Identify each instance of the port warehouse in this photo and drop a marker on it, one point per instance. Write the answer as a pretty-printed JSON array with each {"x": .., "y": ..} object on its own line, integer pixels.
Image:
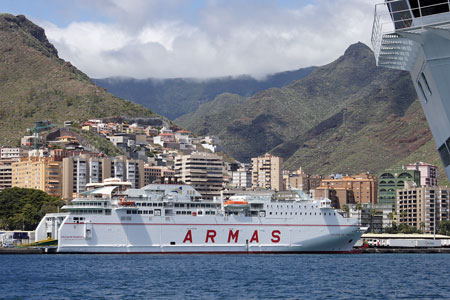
[{"x": 404, "y": 240}]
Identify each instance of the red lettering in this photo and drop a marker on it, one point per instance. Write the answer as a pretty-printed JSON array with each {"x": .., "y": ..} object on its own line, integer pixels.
[
  {"x": 210, "y": 234},
  {"x": 276, "y": 236},
  {"x": 233, "y": 235},
  {"x": 255, "y": 237},
  {"x": 188, "y": 237}
]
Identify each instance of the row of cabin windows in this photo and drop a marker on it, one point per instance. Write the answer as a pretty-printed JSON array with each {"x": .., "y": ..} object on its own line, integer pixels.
[
  {"x": 276, "y": 213},
  {"x": 202, "y": 205},
  {"x": 149, "y": 204},
  {"x": 199, "y": 213},
  {"x": 290, "y": 206},
  {"x": 139, "y": 212}
]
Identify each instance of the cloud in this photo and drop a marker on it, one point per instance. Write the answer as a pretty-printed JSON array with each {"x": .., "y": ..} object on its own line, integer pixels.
[{"x": 175, "y": 38}]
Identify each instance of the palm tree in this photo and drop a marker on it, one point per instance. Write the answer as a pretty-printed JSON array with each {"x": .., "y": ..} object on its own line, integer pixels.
[
  {"x": 390, "y": 216},
  {"x": 373, "y": 212},
  {"x": 359, "y": 207},
  {"x": 345, "y": 209},
  {"x": 422, "y": 227}
]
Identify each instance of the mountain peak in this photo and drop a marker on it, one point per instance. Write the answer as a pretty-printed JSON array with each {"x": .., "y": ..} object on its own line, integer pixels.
[
  {"x": 10, "y": 23},
  {"x": 358, "y": 50}
]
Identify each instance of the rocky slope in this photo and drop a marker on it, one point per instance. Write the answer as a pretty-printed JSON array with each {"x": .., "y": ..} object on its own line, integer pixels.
[
  {"x": 35, "y": 84},
  {"x": 348, "y": 116}
]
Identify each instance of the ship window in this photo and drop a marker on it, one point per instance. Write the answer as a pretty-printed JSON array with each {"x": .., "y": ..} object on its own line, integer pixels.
[
  {"x": 426, "y": 83},
  {"x": 422, "y": 91},
  {"x": 150, "y": 212},
  {"x": 445, "y": 155},
  {"x": 213, "y": 212},
  {"x": 270, "y": 213}
]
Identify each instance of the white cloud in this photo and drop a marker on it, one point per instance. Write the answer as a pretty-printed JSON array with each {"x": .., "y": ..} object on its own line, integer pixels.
[{"x": 159, "y": 39}]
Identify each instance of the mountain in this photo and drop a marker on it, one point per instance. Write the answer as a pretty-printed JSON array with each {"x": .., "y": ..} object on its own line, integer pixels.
[
  {"x": 348, "y": 116},
  {"x": 35, "y": 84},
  {"x": 175, "y": 97}
]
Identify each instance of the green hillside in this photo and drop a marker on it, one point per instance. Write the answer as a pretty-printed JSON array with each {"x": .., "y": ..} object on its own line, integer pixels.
[
  {"x": 35, "y": 84},
  {"x": 348, "y": 116}
]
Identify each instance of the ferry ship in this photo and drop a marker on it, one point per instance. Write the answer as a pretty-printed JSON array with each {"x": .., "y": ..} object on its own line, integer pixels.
[{"x": 173, "y": 218}]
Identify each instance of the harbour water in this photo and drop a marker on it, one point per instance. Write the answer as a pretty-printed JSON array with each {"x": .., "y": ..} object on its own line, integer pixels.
[{"x": 357, "y": 276}]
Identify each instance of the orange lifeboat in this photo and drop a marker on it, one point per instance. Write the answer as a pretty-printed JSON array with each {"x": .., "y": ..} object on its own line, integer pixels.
[
  {"x": 235, "y": 204},
  {"x": 123, "y": 202}
]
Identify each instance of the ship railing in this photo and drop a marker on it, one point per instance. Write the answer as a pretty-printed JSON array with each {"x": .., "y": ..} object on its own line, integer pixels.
[{"x": 397, "y": 15}]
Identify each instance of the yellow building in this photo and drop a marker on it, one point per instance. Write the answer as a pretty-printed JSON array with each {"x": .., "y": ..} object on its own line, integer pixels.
[{"x": 40, "y": 173}]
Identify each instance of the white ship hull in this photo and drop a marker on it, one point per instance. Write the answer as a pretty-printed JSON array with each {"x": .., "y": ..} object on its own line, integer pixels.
[{"x": 205, "y": 235}]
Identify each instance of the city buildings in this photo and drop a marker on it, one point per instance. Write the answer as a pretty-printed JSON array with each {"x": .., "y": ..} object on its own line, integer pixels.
[
  {"x": 423, "y": 207},
  {"x": 157, "y": 173},
  {"x": 203, "y": 171},
  {"x": 298, "y": 180},
  {"x": 242, "y": 177},
  {"x": 428, "y": 173},
  {"x": 40, "y": 173},
  {"x": 389, "y": 181},
  {"x": 80, "y": 170},
  {"x": 342, "y": 190},
  {"x": 267, "y": 172}
]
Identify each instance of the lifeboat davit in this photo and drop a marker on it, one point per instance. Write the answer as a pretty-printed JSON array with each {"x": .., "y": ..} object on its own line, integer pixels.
[{"x": 235, "y": 204}]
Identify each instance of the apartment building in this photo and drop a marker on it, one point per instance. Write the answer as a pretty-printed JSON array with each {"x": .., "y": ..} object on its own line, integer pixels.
[
  {"x": 342, "y": 190},
  {"x": 155, "y": 173},
  {"x": 40, "y": 173},
  {"x": 298, "y": 180},
  {"x": 389, "y": 181},
  {"x": 267, "y": 172},
  {"x": 428, "y": 173},
  {"x": 204, "y": 171},
  {"x": 78, "y": 171},
  {"x": 423, "y": 207},
  {"x": 242, "y": 178}
]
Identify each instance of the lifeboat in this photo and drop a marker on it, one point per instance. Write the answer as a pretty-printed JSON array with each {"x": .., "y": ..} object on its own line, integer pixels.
[
  {"x": 124, "y": 202},
  {"x": 235, "y": 204}
]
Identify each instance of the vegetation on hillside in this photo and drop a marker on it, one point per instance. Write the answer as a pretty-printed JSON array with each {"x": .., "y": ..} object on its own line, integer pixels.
[
  {"x": 348, "y": 117},
  {"x": 35, "y": 84},
  {"x": 23, "y": 209},
  {"x": 174, "y": 98}
]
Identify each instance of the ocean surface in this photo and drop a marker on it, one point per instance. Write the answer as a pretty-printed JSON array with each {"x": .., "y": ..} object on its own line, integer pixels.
[{"x": 354, "y": 276}]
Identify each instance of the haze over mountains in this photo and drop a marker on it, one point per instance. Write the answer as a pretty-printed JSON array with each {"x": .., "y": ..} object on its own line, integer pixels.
[
  {"x": 178, "y": 96},
  {"x": 35, "y": 84}
]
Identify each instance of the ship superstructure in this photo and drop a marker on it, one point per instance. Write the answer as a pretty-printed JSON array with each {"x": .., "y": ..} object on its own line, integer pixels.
[
  {"x": 167, "y": 218},
  {"x": 414, "y": 35}
]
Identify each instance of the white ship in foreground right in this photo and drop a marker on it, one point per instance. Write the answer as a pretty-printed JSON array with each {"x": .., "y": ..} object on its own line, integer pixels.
[
  {"x": 414, "y": 35},
  {"x": 167, "y": 218}
]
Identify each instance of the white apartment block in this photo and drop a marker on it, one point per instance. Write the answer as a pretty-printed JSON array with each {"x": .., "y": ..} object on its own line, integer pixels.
[
  {"x": 242, "y": 178},
  {"x": 12, "y": 153},
  {"x": 428, "y": 173}
]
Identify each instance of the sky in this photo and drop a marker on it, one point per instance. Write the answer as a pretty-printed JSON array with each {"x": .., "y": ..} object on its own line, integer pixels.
[{"x": 198, "y": 38}]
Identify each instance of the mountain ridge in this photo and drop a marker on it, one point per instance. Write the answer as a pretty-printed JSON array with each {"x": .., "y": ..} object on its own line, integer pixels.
[
  {"x": 174, "y": 97},
  {"x": 35, "y": 84}
]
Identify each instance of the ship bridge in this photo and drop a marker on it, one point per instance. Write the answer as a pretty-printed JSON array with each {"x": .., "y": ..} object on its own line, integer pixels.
[
  {"x": 401, "y": 27},
  {"x": 414, "y": 35}
]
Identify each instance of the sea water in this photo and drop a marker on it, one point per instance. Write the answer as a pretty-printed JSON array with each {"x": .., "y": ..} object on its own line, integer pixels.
[{"x": 356, "y": 276}]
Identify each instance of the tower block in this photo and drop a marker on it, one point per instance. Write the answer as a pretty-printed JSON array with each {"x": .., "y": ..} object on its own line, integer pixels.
[{"x": 414, "y": 35}]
